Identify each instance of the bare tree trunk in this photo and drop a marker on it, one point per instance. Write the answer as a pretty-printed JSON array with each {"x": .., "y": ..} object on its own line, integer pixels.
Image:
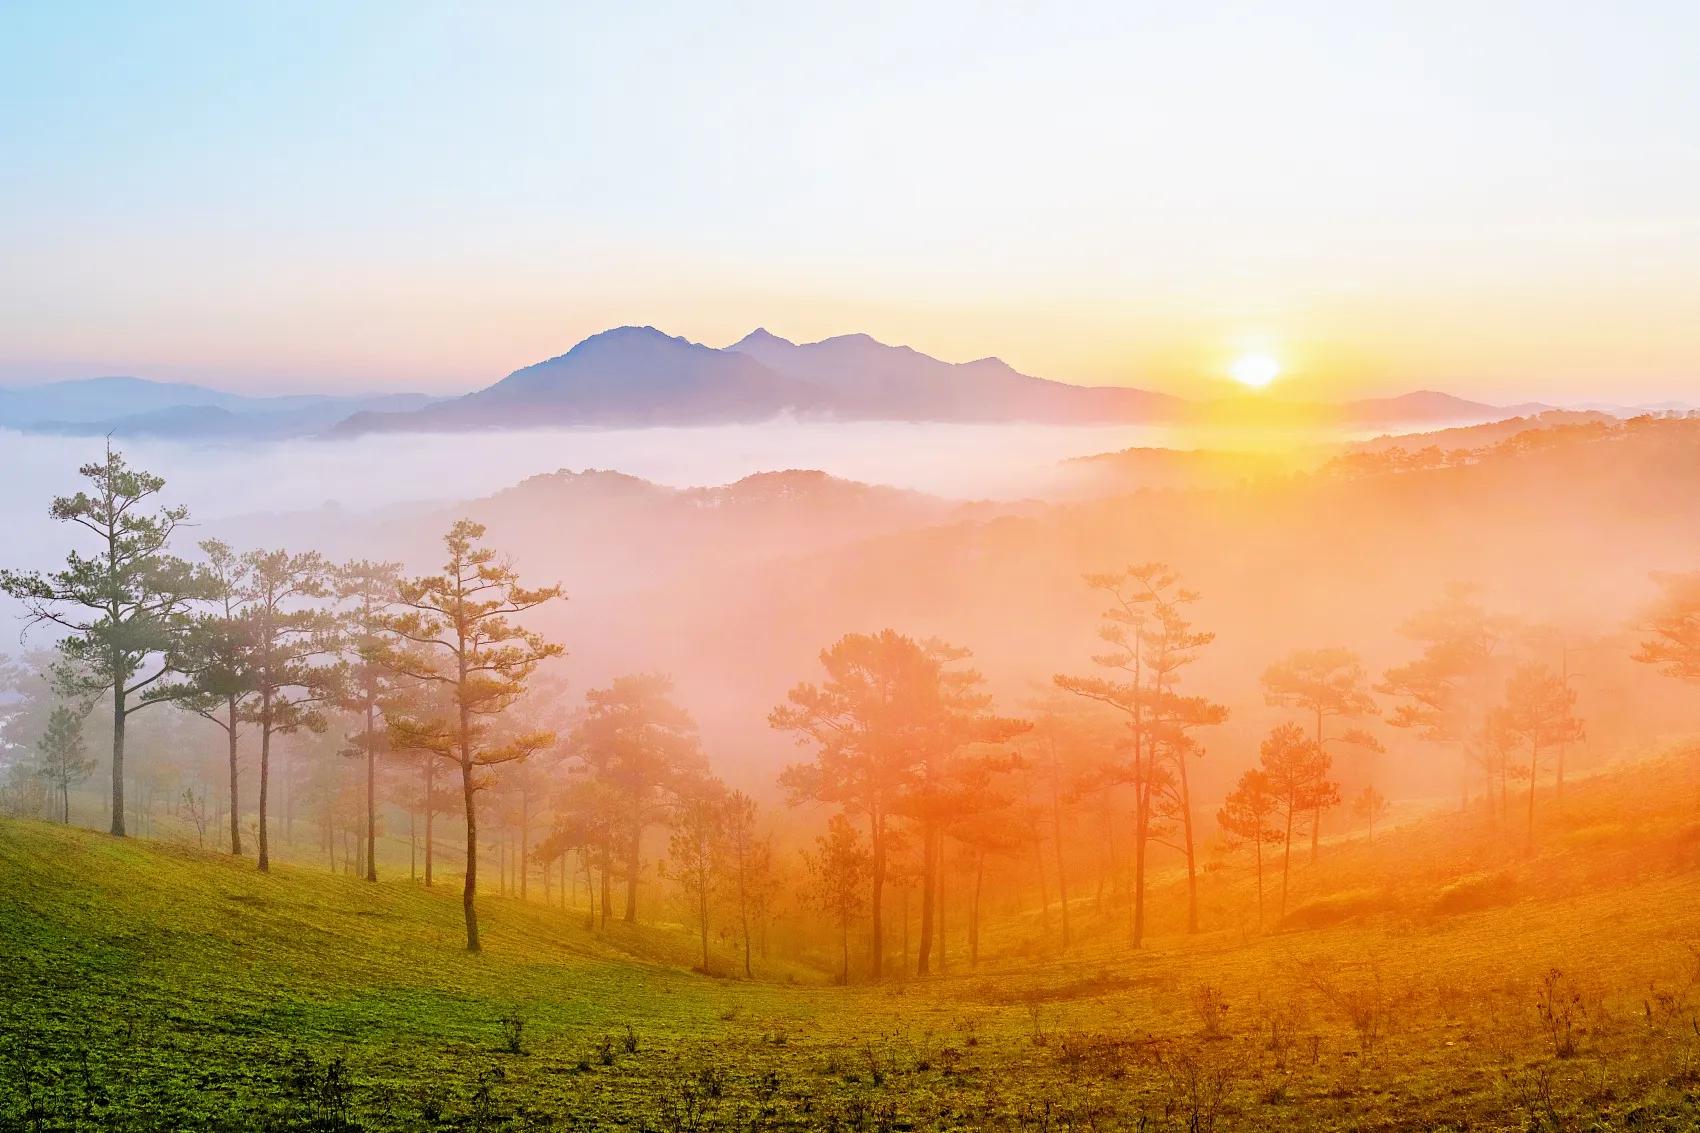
[
  {"x": 702, "y": 912},
  {"x": 1141, "y": 832},
  {"x": 1534, "y": 769},
  {"x": 1191, "y": 855},
  {"x": 118, "y": 715},
  {"x": 235, "y": 807},
  {"x": 1044, "y": 884},
  {"x": 1106, "y": 848},
  {"x": 470, "y": 889},
  {"x": 371, "y": 796},
  {"x": 1260, "y": 880},
  {"x": 929, "y": 900},
  {"x": 1057, "y": 836},
  {"x": 744, "y": 899},
  {"x": 906, "y": 928},
  {"x": 607, "y": 866},
  {"x": 286, "y": 781},
  {"x": 1287, "y": 854},
  {"x": 876, "y": 910},
  {"x": 634, "y": 862},
  {"x": 1316, "y": 811},
  {"x": 938, "y": 899},
  {"x": 974, "y": 917},
  {"x": 265, "y": 776}
]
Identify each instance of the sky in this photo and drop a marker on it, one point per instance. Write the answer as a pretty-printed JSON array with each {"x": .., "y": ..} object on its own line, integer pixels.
[{"x": 1498, "y": 199}]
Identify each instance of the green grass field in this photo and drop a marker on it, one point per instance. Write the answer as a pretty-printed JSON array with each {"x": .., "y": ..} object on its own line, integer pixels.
[{"x": 1447, "y": 982}]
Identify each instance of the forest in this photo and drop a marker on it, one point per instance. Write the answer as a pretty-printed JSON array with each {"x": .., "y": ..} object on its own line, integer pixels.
[{"x": 1353, "y": 790}]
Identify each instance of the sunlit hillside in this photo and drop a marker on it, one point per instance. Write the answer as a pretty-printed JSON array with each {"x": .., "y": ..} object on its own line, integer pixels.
[{"x": 1436, "y": 976}]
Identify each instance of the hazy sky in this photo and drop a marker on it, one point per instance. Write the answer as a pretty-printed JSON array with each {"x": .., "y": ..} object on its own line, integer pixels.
[{"x": 1500, "y": 199}]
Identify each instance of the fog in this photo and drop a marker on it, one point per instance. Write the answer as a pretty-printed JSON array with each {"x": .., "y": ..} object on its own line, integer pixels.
[{"x": 959, "y": 460}]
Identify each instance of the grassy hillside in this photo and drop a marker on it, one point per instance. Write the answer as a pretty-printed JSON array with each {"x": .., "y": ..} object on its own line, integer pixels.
[{"x": 148, "y": 986}]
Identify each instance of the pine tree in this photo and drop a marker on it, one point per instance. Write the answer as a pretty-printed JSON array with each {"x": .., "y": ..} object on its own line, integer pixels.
[
  {"x": 1296, "y": 770},
  {"x": 1151, "y": 643},
  {"x": 215, "y": 655},
  {"x": 696, "y": 846},
  {"x": 640, "y": 749},
  {"x": 62, "y": 760},
  {"x": 456, "y": 629},
  {"x": 886, "y": 725},
  {"x": 294, "y": 644},
  {"x": 123, "y": 607},
  {"x": 838, "y": 870},
  {"x": 1539, "y": 709},
  {"x": 1248, "y": 816},
  {"x": 368, "y": 591},
  {"x": 1447, "y": 690},
  {"x": 1324, "y": 685}
]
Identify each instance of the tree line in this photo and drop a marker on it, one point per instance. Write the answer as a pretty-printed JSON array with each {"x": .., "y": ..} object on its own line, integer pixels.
[{"x": 903, "y": 745}]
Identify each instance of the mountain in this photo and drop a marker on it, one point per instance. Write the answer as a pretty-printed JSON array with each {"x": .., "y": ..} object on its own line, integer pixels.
[
  {"x": 1428, "y": 407},
  {"x": 129, "y": 406},
  {"x": 629, "y": 376},
  {"x": 638, "y": 376},
  {"x": 613, "y": 532},
  {"x": 867, "y": 378}
]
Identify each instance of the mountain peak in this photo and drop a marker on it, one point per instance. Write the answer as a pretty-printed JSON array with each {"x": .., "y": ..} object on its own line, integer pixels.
[
  {"x": 631, "y": 334},
  {"x": 859, "y": 338},
  {"x": 758, "y": 338}
]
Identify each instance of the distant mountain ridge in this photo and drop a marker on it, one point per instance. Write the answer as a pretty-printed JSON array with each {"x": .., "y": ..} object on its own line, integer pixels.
[
  {"x": 129, "y": 406},
  {"x": 628, "y": 376},
  {"x": 1430, "y": 407},
  {"x": 637, "y": 377}
]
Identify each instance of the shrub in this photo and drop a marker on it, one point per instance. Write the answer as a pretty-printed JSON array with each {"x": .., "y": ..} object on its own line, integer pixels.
[
  {"x": 1476, "y": 893},
  {"x": 1211, "y": 1009},
  {"x": 1335, "y": 909},
  {"x": 1559, "y": 1007},
  {"x": 512, "y": 1028}
]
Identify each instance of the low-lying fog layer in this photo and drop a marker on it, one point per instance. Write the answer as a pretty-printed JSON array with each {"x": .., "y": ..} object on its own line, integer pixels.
[{"x": 221, "y": 478}]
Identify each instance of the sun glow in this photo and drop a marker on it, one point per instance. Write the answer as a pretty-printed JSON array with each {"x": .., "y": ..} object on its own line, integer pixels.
[{"x": 1255, "y": 370}]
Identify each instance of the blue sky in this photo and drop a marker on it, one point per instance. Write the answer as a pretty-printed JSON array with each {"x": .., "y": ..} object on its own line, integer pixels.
[{"x": 1502, "y": 199}]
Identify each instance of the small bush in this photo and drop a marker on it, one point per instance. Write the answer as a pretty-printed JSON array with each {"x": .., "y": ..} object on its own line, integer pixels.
[
  {"x": 1559, "y": 1007},
  {"x": 1336, "y": 909},
  {"x": 513, "y": 1027},
  {"x": 1211, "y": 1009},
  {"x": 1476, "y": 893}
]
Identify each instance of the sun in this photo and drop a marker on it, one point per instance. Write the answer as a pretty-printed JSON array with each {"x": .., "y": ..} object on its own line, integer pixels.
[{"x": 1255, "y": 370}]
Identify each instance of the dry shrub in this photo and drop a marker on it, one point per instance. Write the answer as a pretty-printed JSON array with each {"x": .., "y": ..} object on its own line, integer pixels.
[
  {"x": 1200, "y": 1077},
  {"x": 1561, "y": 1011},
  {"x": 1336, "y": 909},
  {"x": 1475, "y": 893},
  {"x": 1211, "y": 1009},
  {"x": 1363, "y": 998}
]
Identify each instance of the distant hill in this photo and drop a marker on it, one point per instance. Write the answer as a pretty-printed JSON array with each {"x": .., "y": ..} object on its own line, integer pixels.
[
  {"x": 129, "y": 406},
  {"x": 1428, "y": 407}
]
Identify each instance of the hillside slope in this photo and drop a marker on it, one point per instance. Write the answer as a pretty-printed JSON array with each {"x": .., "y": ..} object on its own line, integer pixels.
[{"x": 151, "y": 987}]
